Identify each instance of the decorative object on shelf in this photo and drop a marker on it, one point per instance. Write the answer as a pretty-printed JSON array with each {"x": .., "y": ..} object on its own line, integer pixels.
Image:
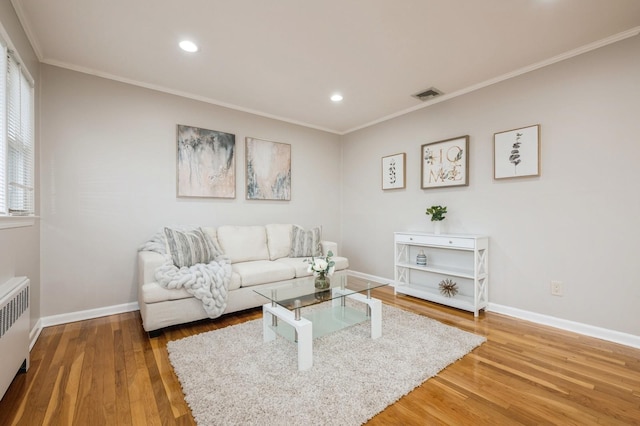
[
  {"x": 393, "y": 171},
  {"x": 448, "y": 287},
  {"x": 437, "y": 216},
  {"x": 268, "y": 170},
  {"x": 421, "y": 259},
  {"x": 516, "y": 153},
  {"x": 322, "y": 269},
  {"x": 445, "y": 163},
  {"x": 206, "y": 163}
]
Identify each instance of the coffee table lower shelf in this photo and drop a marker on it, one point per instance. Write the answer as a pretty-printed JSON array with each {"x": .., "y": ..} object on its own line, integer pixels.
[{"x": 303, "y": 329}]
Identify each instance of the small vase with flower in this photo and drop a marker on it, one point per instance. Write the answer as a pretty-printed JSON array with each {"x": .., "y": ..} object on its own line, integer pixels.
[{"x": 321, "y": 268}]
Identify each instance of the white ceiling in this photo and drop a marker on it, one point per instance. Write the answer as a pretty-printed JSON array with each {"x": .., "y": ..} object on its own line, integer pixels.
[{"x": 284, "y": 58}]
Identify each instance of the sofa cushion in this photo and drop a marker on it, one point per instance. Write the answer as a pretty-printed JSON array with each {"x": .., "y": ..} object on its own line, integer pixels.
[
  {"x": 298, "y": 264},
  {"x": 189, "y": 247},
  {"x": 235, "y": 282},
  {"x": 301, "y": 267},
  {"x": 341, "y": 262},
  {"x": 211, "y": 231},
  {"x": 305, "y": 243},
  {"x": 155, "y": 293},
  {"x": 243, "y": 243},
  {"x": 262, "y": 271},
  {"x": 279, "y": 240}
]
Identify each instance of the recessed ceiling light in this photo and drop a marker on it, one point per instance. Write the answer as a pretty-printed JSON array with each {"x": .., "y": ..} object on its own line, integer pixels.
[
  {"x": 188, "y": 46},
  {"x": 336, "y": 97}
]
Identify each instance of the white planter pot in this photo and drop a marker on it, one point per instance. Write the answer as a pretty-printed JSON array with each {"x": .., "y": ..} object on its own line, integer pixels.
[{"x": 437, "y": 227}]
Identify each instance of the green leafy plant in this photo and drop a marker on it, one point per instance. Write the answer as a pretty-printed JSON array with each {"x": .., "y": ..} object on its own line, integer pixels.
[{"x": 437, "y": 213}]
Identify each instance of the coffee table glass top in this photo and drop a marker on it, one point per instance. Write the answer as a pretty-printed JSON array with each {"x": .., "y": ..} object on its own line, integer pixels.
[{"x": 302, "y": 292}]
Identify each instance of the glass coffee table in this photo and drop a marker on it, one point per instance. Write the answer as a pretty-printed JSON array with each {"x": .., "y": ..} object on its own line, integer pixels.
[{"x": 284, "y": 314}]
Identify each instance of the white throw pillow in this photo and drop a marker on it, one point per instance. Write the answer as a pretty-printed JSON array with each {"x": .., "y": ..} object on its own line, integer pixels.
[
  {"x": 279, "y": 240},
  {"x": 243, "y": 243},
  {"x": 305, "y": 243},
  {"x": 211, "y": 232}
]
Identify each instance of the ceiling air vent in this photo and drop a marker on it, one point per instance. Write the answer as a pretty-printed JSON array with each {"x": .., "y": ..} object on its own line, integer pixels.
[{"x": 428, "y": 94}]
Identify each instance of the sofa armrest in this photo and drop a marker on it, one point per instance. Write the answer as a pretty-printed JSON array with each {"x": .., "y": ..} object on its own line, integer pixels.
[
  {"x": 148, "y": 262},
  {"x": 329, "y": 245}
]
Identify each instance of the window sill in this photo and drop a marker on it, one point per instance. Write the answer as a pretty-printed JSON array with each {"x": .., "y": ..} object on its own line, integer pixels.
[{"x": 17, "y": 221}]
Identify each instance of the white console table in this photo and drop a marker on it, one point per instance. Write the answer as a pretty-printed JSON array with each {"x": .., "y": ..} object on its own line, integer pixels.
[{"x": 462, "y": 258}]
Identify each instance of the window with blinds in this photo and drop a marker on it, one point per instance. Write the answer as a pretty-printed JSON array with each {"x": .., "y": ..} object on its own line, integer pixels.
[{"x": 16, "y": 137}]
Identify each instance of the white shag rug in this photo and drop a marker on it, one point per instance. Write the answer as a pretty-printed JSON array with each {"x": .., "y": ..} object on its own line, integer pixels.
[{"x": 231, "y": 377}]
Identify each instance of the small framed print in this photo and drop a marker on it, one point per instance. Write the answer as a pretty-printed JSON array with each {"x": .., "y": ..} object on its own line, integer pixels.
[
  {"x": 445, "y": 163},
  {"x": 516, "y": 153},
  {"x": 393, "y": 171}
]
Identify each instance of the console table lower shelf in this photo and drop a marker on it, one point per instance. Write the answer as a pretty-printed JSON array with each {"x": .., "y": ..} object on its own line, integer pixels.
[{"x": 466, "y": 303}]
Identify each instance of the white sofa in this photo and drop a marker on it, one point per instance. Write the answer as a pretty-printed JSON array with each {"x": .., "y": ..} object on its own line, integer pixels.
[{"x": 259, "y": 257}]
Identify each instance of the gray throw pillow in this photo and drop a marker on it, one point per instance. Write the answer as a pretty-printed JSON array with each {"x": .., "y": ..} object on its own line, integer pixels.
[
  {"x": 189, "y": 247},
  {"x": 305, "y": 243}
]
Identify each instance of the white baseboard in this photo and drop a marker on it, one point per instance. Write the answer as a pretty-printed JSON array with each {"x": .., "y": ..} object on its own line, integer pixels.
[
  {"x": 88, "y": 314},
  {"x": 369, "y": 277},
  {"x": 562, "y": 324},
  {"x": 77, "y": 316},
  {"x": 34, "y": 334}
]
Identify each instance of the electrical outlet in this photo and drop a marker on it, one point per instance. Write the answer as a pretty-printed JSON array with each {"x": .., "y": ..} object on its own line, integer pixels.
[{"x": 556, "y": 288}]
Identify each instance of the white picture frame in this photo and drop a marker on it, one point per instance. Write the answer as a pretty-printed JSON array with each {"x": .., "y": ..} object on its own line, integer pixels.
[
  {"x": 394, "y": 171},
  {"x": 516, "y": 153}
]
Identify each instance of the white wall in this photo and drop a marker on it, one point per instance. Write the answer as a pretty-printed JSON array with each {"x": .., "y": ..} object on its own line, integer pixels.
[
  {"x": 578, "y": 222},
  {"x": 108, "y": 177},
  {"x": 108, "y": 182},
  {"x": 20, "y": 247}
]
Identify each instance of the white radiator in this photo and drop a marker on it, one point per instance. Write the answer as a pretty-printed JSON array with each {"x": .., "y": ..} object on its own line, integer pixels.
[{"x": 14, "y": 330}]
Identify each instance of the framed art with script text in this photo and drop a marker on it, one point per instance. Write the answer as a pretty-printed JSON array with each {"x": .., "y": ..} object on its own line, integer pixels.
[{"x": 445, "y": 163}]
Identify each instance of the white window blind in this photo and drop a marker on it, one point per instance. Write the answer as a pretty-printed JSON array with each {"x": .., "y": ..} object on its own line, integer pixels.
[
  {"x": 17, "y": 193},
  {"x": 3, "y": 130}
]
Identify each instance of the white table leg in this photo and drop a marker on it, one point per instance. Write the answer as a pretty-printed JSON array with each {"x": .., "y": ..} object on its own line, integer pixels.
[
  {"x": 305, "y": 345},
  {"x": 376, "y": 317},
  {"x": 267, "y": 332},
  {"x": 375, "y": 309},
  {"x": 303, "y": 327}
]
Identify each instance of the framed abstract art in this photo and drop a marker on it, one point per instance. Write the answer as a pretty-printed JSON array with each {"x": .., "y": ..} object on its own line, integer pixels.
[
  {"x": 206, "y": 163},
  {"x": 268, "y": 170}
]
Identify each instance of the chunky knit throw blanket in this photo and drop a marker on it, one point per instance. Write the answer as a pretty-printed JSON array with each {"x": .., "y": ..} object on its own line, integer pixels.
[{"x": 206, "y": 282}]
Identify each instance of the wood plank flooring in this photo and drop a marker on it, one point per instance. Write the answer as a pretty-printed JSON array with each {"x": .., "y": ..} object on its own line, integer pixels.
[{"x": 107, "y": 371}]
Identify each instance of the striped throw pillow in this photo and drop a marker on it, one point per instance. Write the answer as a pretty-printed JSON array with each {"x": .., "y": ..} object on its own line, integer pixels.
[
  {"x": 189, "y": 247},
  {"x": 305, "y": 243}
]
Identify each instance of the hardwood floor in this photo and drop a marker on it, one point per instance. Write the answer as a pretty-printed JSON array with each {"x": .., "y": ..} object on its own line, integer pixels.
[{"x": 107, "y": 371}]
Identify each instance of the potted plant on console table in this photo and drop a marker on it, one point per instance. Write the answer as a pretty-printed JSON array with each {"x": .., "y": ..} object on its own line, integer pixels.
[{"x": 437, "y": 216}]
